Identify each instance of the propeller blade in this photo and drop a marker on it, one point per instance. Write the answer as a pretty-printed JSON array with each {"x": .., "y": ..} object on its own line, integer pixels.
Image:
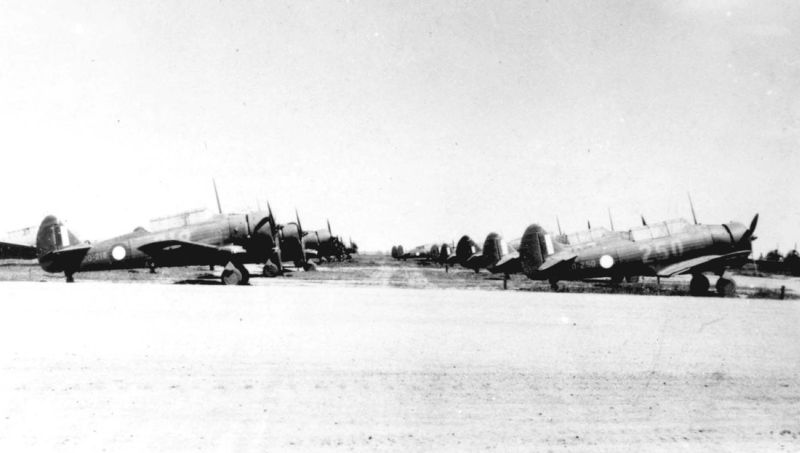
[
  {"x": 748, "y": 235},
  {"x": 329, "y": 227},
  {"x": 753, "y": 224}
]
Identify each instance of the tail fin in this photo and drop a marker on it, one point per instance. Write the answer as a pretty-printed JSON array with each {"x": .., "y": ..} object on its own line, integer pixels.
[
  {"x": 494, "y": 248},
  {"x": 535, "y": 247},
  {"x": 465, "y": 248},
  {"x": 52, "y": 236}
]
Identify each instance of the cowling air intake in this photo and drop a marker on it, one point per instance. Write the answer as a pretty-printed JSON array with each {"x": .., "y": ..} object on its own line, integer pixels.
[
  {"x": 434, "y": 252},
  {"x": 535, "y": 246}
]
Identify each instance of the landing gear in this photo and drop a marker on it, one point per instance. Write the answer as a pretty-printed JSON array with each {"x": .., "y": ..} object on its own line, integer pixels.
[
  {"x": 235, "y": 274},
  {"x": 617, "y": 279},
  {"x": 632, "y": 279},
  {"x": 505, "y": 281},
  {"x": 270, "y": 270},
  {"x": 70, "y": 278},
  {"x": 554, "y": 284},
  {"x": 152, "y": 266},
  {"x": 726, "y": 287},
  {"x": 310, "y": 267},
  {"x": 699, "y": 285}
]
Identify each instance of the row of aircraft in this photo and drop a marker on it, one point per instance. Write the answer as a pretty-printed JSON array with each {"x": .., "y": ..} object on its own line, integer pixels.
[
  {"x": 663, "y": 249},
  {"x": 229, "y": 240}
]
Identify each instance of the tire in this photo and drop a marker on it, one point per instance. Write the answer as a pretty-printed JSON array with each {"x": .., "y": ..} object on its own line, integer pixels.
[
  {"x": 270, "y": 270},
  {"x": 310, "y": 267},
  {"x": 726, "y": 287},
  {"x": 699, "y": 285}
]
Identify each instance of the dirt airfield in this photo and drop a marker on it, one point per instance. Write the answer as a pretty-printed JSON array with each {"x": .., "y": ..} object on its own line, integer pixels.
[{"x": 376, "y": 355}]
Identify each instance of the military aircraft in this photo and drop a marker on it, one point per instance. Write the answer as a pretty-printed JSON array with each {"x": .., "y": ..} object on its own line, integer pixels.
[
  {"x": 325, "y": 246},
  {"x": 291, "y": 247},
  {"x": 662, "y": 249},
  {"x": 19, "y": 245},
  {"x": 421, "y": 252},
  {"x": 467, "y": 254},
  {"x": 227, "y": 239}
]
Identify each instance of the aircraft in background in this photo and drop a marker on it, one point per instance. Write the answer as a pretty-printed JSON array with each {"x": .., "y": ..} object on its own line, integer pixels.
[
  {"x": 19, "y": 244},
  {"x": 325, "y": 246},
  {"x": 662, "y": 249}
]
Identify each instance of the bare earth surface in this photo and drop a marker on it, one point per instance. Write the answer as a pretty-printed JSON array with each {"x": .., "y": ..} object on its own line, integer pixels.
[{"x": 289, "y": 364}]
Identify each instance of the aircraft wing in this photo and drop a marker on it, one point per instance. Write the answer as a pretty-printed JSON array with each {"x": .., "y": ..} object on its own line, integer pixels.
[
  {"x": 176, "y": 252},
  {"x": 508, "y": 264},
  {"x": 557, "y": 260},
  {"x": 11, "y": 250},
  {"x": 705, "y": 263}
]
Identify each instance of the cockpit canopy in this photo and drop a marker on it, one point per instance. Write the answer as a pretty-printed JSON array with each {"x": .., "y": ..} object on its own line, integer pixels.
[{"x": 659, "y": 230}]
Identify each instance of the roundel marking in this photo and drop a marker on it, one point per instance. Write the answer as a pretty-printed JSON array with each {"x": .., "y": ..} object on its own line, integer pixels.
[
  {"x": 118, "y": 252},
  {"x": 606, "y": 261}
]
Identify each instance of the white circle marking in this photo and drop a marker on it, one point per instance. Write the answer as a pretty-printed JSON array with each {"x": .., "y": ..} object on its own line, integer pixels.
[
  {"x": 606, "y": 261},
  {"x": 118, "y": 253}
]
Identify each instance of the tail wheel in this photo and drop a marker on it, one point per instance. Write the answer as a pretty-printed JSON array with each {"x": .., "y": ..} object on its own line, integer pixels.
[
  {"x": 726, "y": 287},
  {"x": 699, "y": 285},
  {"x": 310, "y": 267}
]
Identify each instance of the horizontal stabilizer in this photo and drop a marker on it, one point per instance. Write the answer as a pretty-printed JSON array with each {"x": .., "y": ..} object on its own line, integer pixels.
[
  {"x": 705, "y": 263},
  {"x": 65, "y": 259},
  {"x": 508, "y": 264},
  {"x": 557, "y": 260},
  {"x": 174, "y": 252},
  {"x": 13, "y": 251}
]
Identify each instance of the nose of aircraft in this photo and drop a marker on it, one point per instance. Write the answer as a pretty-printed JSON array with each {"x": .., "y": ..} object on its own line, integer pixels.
[{"x": 738, "y": 231}]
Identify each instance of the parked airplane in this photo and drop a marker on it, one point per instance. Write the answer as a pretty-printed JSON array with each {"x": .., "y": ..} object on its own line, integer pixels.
[
  {"x": 19, "y": 245},
  {"x": 662, "y": 249},
  {"x": 227, "y": 239}
]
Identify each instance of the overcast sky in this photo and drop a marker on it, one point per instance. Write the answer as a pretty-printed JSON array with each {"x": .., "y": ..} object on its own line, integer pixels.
[{"x": 403, "y": 122}]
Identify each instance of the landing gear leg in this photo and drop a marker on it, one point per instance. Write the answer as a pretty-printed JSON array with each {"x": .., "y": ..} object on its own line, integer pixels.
[
  {"x": 152, "y": 267},
  {"x": 554, "y": 284},
  {"x": 70, "y": 278},
  {"x": 699, "y": 285},
  {"x": 505, "y": 281}
]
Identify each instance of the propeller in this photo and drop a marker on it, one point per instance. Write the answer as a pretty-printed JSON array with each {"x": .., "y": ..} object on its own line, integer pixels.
[
  {"x": 329, "y": 227},
  {"x": 644, "y": 222},
  {"x": 748, "y": 235}
]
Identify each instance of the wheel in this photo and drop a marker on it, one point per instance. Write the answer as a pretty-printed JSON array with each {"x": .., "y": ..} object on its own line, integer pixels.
[
  {"x": 310, "y": 267},
  {"x": 70, "y": 278},
  {"x": 152, "y": 266},
  {"x": 699, "y": 285},
  {"x": 245, "y": 273},
  {"x": 235, "y": 274},
  {"x": 270, "y": 270},
  {"x": 554, "y": 284},
  {"x": 726, "y": 287}
]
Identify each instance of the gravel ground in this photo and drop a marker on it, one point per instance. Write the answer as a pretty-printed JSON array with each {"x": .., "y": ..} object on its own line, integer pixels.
[{"x": 279, "y": 366}]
